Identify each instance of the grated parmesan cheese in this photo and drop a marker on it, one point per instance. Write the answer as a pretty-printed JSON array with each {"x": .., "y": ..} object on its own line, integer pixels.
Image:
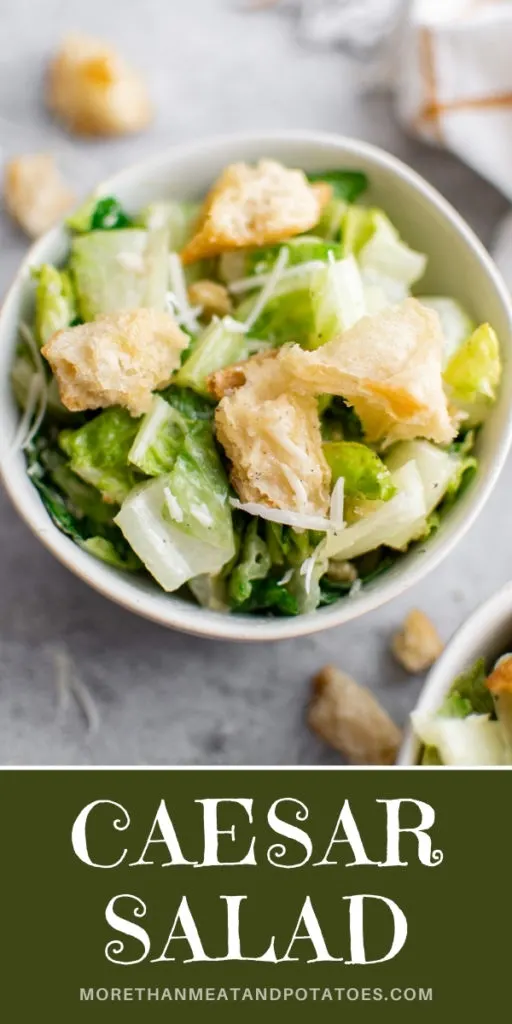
[
  {"x": 249, "y": 284},
  {"x": 173, "y": 506},
  {"x": 187, "y": 316}
]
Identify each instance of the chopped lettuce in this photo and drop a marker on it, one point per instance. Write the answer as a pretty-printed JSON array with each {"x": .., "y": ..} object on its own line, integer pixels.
[
  {"x": 473, "y": 374},
  {"x": 178, "y": 218},
  {"x": 268, "y": 595},
  {"x": 304, "y": 585},
  {"x": 287, "y": 315},
  {"x": 469, "y": 694},
  {"x": 217, "y": 346},
  {"x": 363, "y": 471},
  {"x": 302, "y": 249},
  {"x": 196, "y": 498},
  {"x": 76, "y": 508},
  {"x": 161, "y": 436},
  {"x": 438, "y": 471},
  {"x": 99, "y": 214},
  {"x": 388, "y": 262},
  {"x": 210, "y": 592},
  {"x": 387, "y": 523},
  {"x": 470, "y": 741},
  {"x": 456, "y": 324},
  {"x": 337, "y": 300},
  {"x": 253, "y": 564},
  {"x": 98, "y": 452},
  {"x": 172, "y": 555},
  {"x": 330, "y": 225},
  {"x": 108, "y": 552},
  {"x": 346, "y": 185},
  {"x": 55, "y": 301},
  {"x": 117, "y": 270}
]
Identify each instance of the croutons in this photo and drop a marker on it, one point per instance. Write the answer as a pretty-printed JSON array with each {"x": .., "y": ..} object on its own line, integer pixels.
[
  {"x": 348, "y": 717},
  {"x": 94, "y": 92},
  {"x": 500, "y": 680},
  {"x": 212, "y": 297},
  {"x": 273, "y": 441},
  {"x": 255, "y": 206},
  {"x": 118, "y": 359},
  {"x": 418, "y": 644},
  {"x": 35, "y": 194},
  {"x": 389, "y": 368}
]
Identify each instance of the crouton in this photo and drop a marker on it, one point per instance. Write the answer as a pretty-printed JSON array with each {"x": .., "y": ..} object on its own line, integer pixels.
[
  {"x": 212, "y": 297},
  {"x": 255, "y": 206},
  {"x": 389, "y": 368},
  {"x": 348, "y": 717},
  {"x": 273, "y": 440},
  {"x": 118, "y": 359},
  {"x": 500, "y": 680},
  {"x": 500, "y": 684},
  {"x": 418, "y": 644},
  {"x": 94, "y": 92},
  {"x": 35, "y": 194}
]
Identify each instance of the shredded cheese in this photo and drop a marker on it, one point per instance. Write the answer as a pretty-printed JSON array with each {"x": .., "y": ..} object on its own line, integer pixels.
[
  {"x": 307, "y": 569},
  {"x": 202, "y": 514},
  {"x": 285, "y": 516},
  {"x": 173, "y": 505},
  {"x": 337, "y": 501},
  {"x": 131, "y": 261},
  {"x": 286, "y": 578},
  {"x": 269, "y": 289},
  {"x": 249, "y": 284},
  {"x": 186, "y": 314}
]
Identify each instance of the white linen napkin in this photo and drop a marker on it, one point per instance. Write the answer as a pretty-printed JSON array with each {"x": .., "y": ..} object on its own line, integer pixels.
[{"x": 450, "y": 65}]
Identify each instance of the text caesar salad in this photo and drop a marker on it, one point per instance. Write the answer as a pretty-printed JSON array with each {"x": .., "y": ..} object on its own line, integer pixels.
[{"x": 241, "y": 396}]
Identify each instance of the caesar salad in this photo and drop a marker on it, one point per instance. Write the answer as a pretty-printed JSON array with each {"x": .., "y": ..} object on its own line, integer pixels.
[{"x": 242, "y": 398}]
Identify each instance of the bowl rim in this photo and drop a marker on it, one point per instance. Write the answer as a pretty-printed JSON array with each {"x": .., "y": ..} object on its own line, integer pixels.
[
  {"x": 198, "y": 621},
  {"x": 489, "y": 614}
]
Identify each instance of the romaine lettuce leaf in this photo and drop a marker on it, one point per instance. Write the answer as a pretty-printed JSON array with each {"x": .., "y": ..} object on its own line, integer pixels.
[
  {"x": 172, "y": 555},
  {"x": 471, "y": 741},
  {"x": 269, "y": 595},
  {"x": 345, "y": 184},
  {"x": 111, "y": 553},
  {"x": 99, "y": 214},
  {"x": 363, "y": 471},
  {"x": 55, "y": 301},
  {"x": 22, "y": 373},
  {"x": 337, "y": 300},
  {"x": 116, "y": 270},
  {"x": 288, "y": 316},
  {"x": 178, "y": 218},
  {"x": 387, "y": 523},
  {"x": 469, "y": 694},
  {"x": 197, "y": 499},
  {"x": 210, "y": 592},
  {"x": 217, "y": 346},
  {"x": 456, "y": 324},
  {"x": 254, "y": 563},
  {"x": 386, "y": 260},
  {"x": 439, "y": 470},
  {"x": 473, "y": 374},
  {"x": 98, "y": 452}
]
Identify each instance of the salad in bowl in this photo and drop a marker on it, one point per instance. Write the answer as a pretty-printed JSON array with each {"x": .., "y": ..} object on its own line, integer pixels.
[
  {"x": 473, "y": 725},
  {"x": 251, "y": 398}
]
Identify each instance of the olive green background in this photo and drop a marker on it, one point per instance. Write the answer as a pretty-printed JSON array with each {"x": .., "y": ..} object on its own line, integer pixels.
[{"x": 54, "y": 930}]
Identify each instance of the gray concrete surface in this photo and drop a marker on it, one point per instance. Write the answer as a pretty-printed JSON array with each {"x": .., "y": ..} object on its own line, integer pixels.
[{"x": 164, "y": 698}]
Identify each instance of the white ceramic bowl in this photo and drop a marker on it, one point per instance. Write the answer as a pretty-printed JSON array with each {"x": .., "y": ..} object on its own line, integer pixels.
[
  {"x": 486, "y": 634},
  {"x": 458, "y": 266}
]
